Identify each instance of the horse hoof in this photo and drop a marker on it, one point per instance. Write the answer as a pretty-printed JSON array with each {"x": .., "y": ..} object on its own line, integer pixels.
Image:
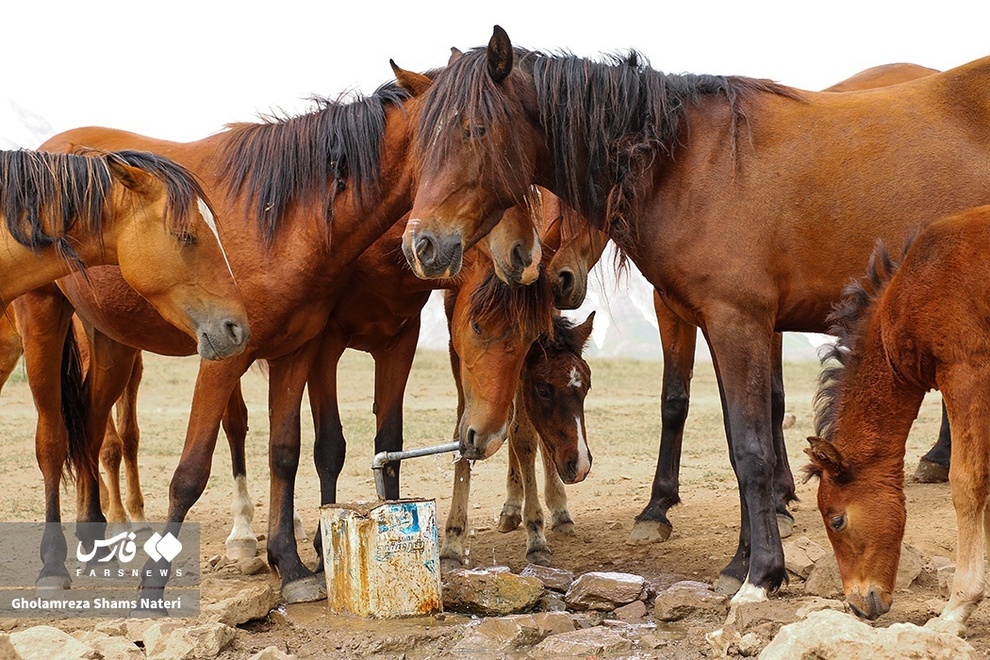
[
  {"x": 238, "y": 549},
  {"x": 509, "y": 522},
  {"x": 726, "y": 585},
  {"x": 785, "y": 525},
  {"x": 565, "y": 528},
  {"x": 305, "y": 590},
  {"x": 649, "y": 531},
  {"x": 448, "y": 564},
  {"x": 52, "y": 582},
  {"x": 539, "y": 557},
  {"x": 931, "y": 473}
]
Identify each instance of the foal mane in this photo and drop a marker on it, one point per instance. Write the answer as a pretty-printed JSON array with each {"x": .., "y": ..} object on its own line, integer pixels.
[
  {"x": 301, "y": 159},
  {"x": 44, "y": 195},
  {"x": 528, "y": 310},
  {"x": 848, "y": 320},
  {"x": 613, "y": 118}
]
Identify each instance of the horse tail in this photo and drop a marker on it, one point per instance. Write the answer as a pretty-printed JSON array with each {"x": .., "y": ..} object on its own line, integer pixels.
[{"x": 75, "y": 395}]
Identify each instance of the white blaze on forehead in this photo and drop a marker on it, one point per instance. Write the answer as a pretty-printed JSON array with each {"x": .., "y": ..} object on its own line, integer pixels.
[
  {"x": 207, "y": 214},
  {"x": 584, "y": 455},
  {"x": 575, "y": 380}
]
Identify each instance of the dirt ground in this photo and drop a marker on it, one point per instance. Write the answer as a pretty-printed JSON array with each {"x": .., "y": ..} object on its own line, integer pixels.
[{"x": 623, "y": 425}]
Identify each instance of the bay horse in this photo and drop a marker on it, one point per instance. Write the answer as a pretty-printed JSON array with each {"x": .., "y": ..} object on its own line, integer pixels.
[
  {"x": 300, "y": 199},
  {"x": 903, "y": 331},
  {"x": 725, "y": 191}
]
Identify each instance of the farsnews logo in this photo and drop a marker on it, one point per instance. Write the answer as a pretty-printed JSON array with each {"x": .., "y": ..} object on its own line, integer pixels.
[{"x": 122, "y": 547}]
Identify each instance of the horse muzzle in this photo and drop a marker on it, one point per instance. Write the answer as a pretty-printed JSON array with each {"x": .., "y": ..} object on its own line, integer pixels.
[
  {"x": 223, "y": 338},
  {"x": 568, "y": 292},
  {"x": 476, "y": 446},
  {"x": 872, "y": 604},
  {"x": 432, "y": 256}
]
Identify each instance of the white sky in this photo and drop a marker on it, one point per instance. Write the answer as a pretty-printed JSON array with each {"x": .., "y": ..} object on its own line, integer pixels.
[{"x": 179, "y": 70}]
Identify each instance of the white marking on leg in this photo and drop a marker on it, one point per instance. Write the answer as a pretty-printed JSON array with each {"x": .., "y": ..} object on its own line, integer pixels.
[
  {"x": 749, "y": 593},
  {"x": 584, "y": 454},
  {"x": 242, "y": 511},
  {"x": 575, "y": 380},
  {"x": 204, "y": 210}
]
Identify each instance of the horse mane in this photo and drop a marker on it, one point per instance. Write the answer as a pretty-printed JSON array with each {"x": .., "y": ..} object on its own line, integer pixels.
[
  {"x": 613, "y": 118},
  {"x": 281, "y": 161},
  {"x": 44, "y": 195},
  {"x": 527, "y": 309},
  {"x": 848, "y": 320},
  {"x": 561, "y": 338}
]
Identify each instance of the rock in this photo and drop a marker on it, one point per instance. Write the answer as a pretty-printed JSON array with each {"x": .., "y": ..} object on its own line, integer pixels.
[
  {"x": 7, "y": 650},
  {"x": 252, "y": 566},
  {"x": 494, "y": 636},
  {"x": 945, "y": 576},
  {"x": 272, "y": 653},
  {"x": 173, "y": 640},
  {"x": 589, "y": 642},
  {"x": 552, "y": 578},
  {"x": 489, "y": 593},
  {"x": 634, "y": 611},
  {"x": 910, "y": 566},
  {"x": 830, "y": 634},
  {"x": 603, "y": 590},
  {"x": 749, "y": 645},
  {"x": 801, "y": 554},
  {"x": 688, "y": 598},
  {"x": 551, "y": 601},
  {"x": 234, "y": 602},
  {"x": 824, "y": 579},
  {"x": 936, "y": 562},
  {"x": 109, "y": 646},
  {"x": 49, "y": 642},
  {"x": 745, "y": 616}
]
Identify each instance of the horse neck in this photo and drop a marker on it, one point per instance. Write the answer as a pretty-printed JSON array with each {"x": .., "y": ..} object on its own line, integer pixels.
[{"x": 876, "y": 409}]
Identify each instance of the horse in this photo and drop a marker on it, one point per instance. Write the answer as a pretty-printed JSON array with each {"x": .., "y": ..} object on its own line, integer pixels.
[
  {"x": 903, "y": 331},
  {"x": 301, "y": 198},
  {"x": 725, "y": 191}
]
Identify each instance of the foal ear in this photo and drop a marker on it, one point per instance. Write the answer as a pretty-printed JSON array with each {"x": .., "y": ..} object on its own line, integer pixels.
[
  {"x": 412, "y": 82},
  {"x": 826, "y": 458},
  {"x": 499, "y": 55},
  {"x": 455, "y": 54},
  {"x": 583, "y": 331},
  {"x": 133, "y": 178}
]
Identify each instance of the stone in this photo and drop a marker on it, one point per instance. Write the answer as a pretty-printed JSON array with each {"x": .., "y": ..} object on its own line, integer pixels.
[
  {"x": 252, "y": 566},
  {"x": 497, "y": 635},
  {"x": 830, "y": 634},
  {"x": 234, "y": 602},
  {"x": 175, "y": 640},
  {"x": 945, "y": 576},
  {"x": 50, "y": 642},
  {"x": 588, "y": 642},
  {"x": 109, "y": 646},
  {"x": 599, "y": 590},
  {"x": 801, "y": 554},
  {"x": 489, "y": 593},
  {"x": 910, "y": 566},
  {"x": 745, "y": 616},
  {"x": 551, "y": 601},
  {"x": 272, "y": 653},
  {"x": 824, "y": 579},
  {"x": 552, "y": 578},
  {"x": 936, "y": 562},
  {"x": 749, "y": 645},
  {"x": 7, "y": 650},
  {"x": 688, "y": 598},
  {"x": 634, "y": 611}
]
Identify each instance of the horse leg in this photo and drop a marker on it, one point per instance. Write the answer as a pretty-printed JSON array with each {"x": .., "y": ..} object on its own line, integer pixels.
[
  {"x": 130, "y": 436},
  {"x": 241, "y": 543},
  {"x": 523, "y": 440},
  {"x": 969, "y": 478},
  {"x": 10, "y": 345},
  {"x": 392, "y": 366},
  {"x": 678, "y": 339},
  {"x": 330, "y": 447},
  {"x": 44, "y": 317},
  {"x": 452, "y": 554},
  {"x": 511, "y": 516},
  {"x": 933, "y": 468},
  {"x": 783, "y": 479},
  {"x": 287, "y": 380},
  {"x": 741, "y": 351},
  {"x": 555, "y": 496}
]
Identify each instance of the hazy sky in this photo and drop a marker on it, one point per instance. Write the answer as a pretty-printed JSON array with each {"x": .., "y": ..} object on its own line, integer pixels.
[{"x": 180, "y": 70}]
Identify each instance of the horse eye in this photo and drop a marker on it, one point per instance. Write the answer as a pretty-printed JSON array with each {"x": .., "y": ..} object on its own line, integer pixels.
[
  {"x": 838, "y": 523},
  {"x": 341, "y": 184},
  {"x": 185, "y": 238},
  {"x": 475, "y": 132},
  {"x": 476, "y": 328},
  {"x": 542, "y": 391}
]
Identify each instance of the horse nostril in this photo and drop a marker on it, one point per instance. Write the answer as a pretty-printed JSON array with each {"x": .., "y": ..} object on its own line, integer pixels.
[
  {"x": 426, "y": 249},
  {"x": 472, "y": 438},
  {"x": 565, "y": 282},
  {"x": 519, "y": 261},
  {"x": 235, "y": 331}
]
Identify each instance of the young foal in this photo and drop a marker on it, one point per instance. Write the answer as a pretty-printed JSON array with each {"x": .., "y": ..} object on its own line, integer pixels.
[{"x": 903, "y": 331}]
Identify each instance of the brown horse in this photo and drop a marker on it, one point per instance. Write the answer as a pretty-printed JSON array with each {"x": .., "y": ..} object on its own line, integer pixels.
[
  {"x": 301, "y": 198},
  {"x": 725, "y": 191},
  {"x": 903, "y": 331}
]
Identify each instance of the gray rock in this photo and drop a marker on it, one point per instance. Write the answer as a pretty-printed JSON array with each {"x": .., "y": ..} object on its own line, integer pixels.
[
  {"x": 493, "y": 636},
  {"x": 688, "y": 598},
  {"x": 824, "y": 579},
  {"x": 597, "y": 641},
  {"x": 234, "y": 602},
  {"x": 604, "y": 590},
  {"x": 910, "y": 566},
  {"x": 109, "y": 646},
  {"x": 830, "y": 634},
  {"x": 801, "y": 554},
  {"x": 945, "y": 576},
  {"x": 490, "y": 593},
  {"x": 634, "y": 611},
  {"x": 745, "y": 616},
  {"x": 552, "y": 578},
  {"x": 551, "y": 601},
  {"x": 252, "y": 566},
  {"x": 7, "y": 650},
  {"x": 272, "y": 653},
  {"x": 50, "y": 642},
  {"x": 174, "y": 640}
]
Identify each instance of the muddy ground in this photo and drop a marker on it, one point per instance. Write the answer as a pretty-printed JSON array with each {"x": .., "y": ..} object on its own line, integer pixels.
[{"x": 623, "y": 425}]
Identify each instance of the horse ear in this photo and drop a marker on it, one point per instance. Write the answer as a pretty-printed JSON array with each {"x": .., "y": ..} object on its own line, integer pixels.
[
  {"x": 499, "y": 55},
  {"x": 583, "y": 331},
  {"x": 826, "y": 458},
  {"x": 455, "y": 54},
  {"x": 133, "y": 178},
  {"x": 412, "y": 82}
]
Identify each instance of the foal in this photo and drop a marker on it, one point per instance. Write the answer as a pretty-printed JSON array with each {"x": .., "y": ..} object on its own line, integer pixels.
[{"x": 903, "y": 331}]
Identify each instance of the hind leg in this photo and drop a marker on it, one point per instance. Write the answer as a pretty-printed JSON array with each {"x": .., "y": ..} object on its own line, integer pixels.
[
  {"x": 933, "y": 468},
  {"x": 555, "y": 496},
  {"x": 10, "y": 344},
  {"x": 241, "y": 543},
  {"x": 783, "y": 479},
  {"x": 130, "y": 436}
]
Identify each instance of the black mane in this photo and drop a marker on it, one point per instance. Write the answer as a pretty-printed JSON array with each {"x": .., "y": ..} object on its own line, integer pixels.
[
  {"x": 525, "y": 309},
  {"x": 281, "y": 161}
]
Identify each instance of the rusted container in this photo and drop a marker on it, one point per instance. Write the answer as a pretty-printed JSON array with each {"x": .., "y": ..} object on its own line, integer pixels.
[{"x": 382, "y": 558}]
